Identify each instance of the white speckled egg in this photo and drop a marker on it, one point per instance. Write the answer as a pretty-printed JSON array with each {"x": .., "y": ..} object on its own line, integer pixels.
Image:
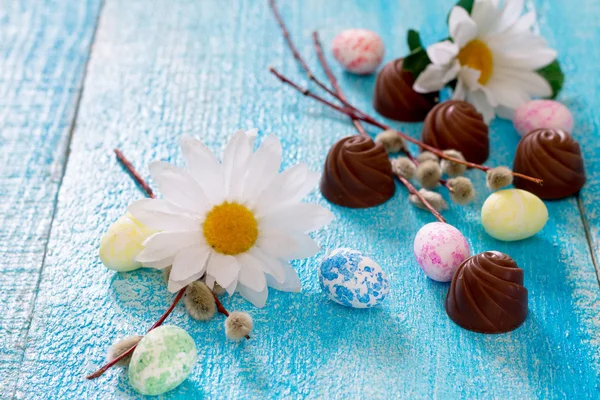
[
  {"x": 537, "y": 114},
  {"x": 353, "y": 280},
  {"x": 162, "y": 360},
  {"x": 122, "y": 242},
  {"x": 439, "y": 249},
  {"x": 513, "y": 214},
  {"x": 358, "y": 50}
]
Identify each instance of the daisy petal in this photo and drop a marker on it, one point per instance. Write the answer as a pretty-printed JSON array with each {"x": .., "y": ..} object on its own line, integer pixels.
[
  {"x": 159, "y": 264},
  {"x": 166, "y": 244},
  {"x": 509, "y": 14},
  {"x": 235, "y": 159},
  {"x": 291, "y": 282},
  {"x": 263, "y": 167},
  {"x": 223, "y": 268},
  {"x": 271, "y": 266},
  {"x": 259, "y": 299},
  {"x": 485, "y": 15},
  {"x": 303, "y": 217},
  {"x": 287, "y": 245},
  {"x": 288, "y": 187},
  {"x": 188, "y": 262},
  {"x": 161, "y": 215},
  {"x": 462, "y": 28},
  {"x": 175, "y": 286},
  {"x": 442, "y": 53},
  {"x": 433, "y": 78},
  {"x": 204, "y": 168},
  {"x": 178, "y": 187},
  {"x": 479, "y": 100},
  {"x": 251, "y": 273}
]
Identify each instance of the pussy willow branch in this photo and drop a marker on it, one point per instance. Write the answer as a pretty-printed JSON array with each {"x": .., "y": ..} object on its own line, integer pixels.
[
  {"x": 372, "y": 121},
  {"x": 158, "y": 323},
  {"x": 222, "y": 309},
  {"x": 359, "y": 127}
]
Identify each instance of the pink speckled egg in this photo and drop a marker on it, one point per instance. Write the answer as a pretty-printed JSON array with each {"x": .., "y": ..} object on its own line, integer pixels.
[
  {"x": 358, "y": 50},
  {"x": 439, "y": 249},
  {"x": 537, "y": 114}
]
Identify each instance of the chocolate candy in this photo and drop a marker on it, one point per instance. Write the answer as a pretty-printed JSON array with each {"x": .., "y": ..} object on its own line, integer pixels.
[
  {"x": 395, "y": 98},
  {"x": 487, "y": 294},
  {"x": 456, "y": 124},
  {"x": 357, "y": 173},
  {"x": 551, "y": 155}
]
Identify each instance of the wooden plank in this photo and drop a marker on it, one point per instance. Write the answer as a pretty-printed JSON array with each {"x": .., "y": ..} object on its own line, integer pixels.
[
  {"x": 44, "y": 46},
  {"x": 200, "y": 67},
  {"x": 576, "y": 31}
]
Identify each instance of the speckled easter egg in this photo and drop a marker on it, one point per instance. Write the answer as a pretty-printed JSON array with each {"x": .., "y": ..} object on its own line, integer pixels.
[
  {"x": 513, "y": 214},
  {"x": 122, "y": 242},
  {"x": 162, "y": 360},
  {"x": 439, "y": 249},
  {"x": 353, "y": 280},
  {"x": 537, "y": 114},
  {"x": 358, "y": 50}
]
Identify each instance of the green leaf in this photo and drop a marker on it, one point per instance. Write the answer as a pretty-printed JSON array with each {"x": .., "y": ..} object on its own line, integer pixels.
[
  {"x": 414, "y": 40},
  {"x": 416, "y": 62},
  {"x": 554, "y": 75},
  {"x": 466, "y": 4}
]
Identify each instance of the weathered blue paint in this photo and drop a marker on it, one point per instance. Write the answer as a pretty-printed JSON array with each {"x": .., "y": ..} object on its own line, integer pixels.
[
  {"x": 200, "y": 68},
  {"x": 44, "y": 46}
]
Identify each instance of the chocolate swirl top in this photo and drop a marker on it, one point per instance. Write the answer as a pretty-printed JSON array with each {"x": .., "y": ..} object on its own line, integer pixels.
[
  {"x": 487, "y": 294},
  {"x": 551, "y": 155},
  {"x": 357, "y": 173},
  {"x": 395, "y": 98},
  {"x": 456, "y": 124}
]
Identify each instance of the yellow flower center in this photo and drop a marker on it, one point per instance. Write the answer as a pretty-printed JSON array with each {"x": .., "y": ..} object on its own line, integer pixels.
[
  {"x": 478, "y": 56},
  {"x": 230, "y": 228}
]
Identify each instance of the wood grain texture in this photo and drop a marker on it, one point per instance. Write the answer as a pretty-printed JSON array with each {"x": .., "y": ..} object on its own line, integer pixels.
[
  {"x": 44, "y": 46},
  {"x": 184, "y": 66},
  {"x": 574, "y": 31}
]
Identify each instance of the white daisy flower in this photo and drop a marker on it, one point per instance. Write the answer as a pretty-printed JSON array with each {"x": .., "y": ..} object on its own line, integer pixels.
[
  {"x": 494, "y": 54},
  {"x": 239, "y": 222}
]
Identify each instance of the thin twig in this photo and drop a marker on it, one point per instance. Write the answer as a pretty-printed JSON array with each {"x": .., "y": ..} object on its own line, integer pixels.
[
  {"x": 134, "y": 174},
  {"x": 370, "y": 120},
  {"x": 414, "y": 191},
  {"x": 223, "y": 310},
  {"x": 158, "y": 323}
]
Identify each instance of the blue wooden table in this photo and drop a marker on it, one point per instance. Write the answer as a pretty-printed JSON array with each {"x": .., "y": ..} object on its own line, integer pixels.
[{"x": 80, "y": 77}]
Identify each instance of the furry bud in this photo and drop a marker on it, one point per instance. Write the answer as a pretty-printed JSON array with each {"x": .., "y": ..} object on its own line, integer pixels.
[
  {"x": 427, "y": 156},
  {"x": 121, "y": 346},
  {"x": 434, "y": 199},
  {"x": 238, "y": 325},
  {"x": 404, "y": 167},
  {"x": 452, "y": 168},
  {"x": 199, "y": 301},
  {"x": 428, "y": 174},
  {"x": 461, "y": 190},
  {"x": 499, "y": 177},
  {"x": 392, "y": 142}
]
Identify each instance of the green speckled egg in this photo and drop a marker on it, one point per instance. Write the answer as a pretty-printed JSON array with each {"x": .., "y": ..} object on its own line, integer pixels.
[{"x": 162, "y": 360}]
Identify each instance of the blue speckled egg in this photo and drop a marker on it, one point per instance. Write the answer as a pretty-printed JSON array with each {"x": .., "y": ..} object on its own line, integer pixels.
[{"x": 353, "y": 280}]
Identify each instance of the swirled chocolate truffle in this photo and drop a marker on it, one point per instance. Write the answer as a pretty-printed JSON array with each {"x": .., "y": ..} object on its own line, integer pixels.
[
  {"x": 551, "y": 155},
  {"x": 487, "y": 294},
  {"x": 395, "y": 98},
  {"x": 456, "y": 124},
  {"x": 357, "y": 173}
]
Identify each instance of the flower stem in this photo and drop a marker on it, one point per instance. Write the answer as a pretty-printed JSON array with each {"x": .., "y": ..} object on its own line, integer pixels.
[
  {"x": 223, "y": 310},
  {"x": 158, "y": 323},
  {"x": 133, "y": 173},
  {"x": 370, "y": 120}
]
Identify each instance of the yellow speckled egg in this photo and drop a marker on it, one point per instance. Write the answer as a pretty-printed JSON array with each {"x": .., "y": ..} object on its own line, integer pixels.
[
  {"x": 513, "y": 214},
  {"x": 122, "y": 242}
]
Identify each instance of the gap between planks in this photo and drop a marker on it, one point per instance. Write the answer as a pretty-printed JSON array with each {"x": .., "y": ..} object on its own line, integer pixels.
[
  {"x": 65, "y": 161},
  {"x": 588, "y": 235}
]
